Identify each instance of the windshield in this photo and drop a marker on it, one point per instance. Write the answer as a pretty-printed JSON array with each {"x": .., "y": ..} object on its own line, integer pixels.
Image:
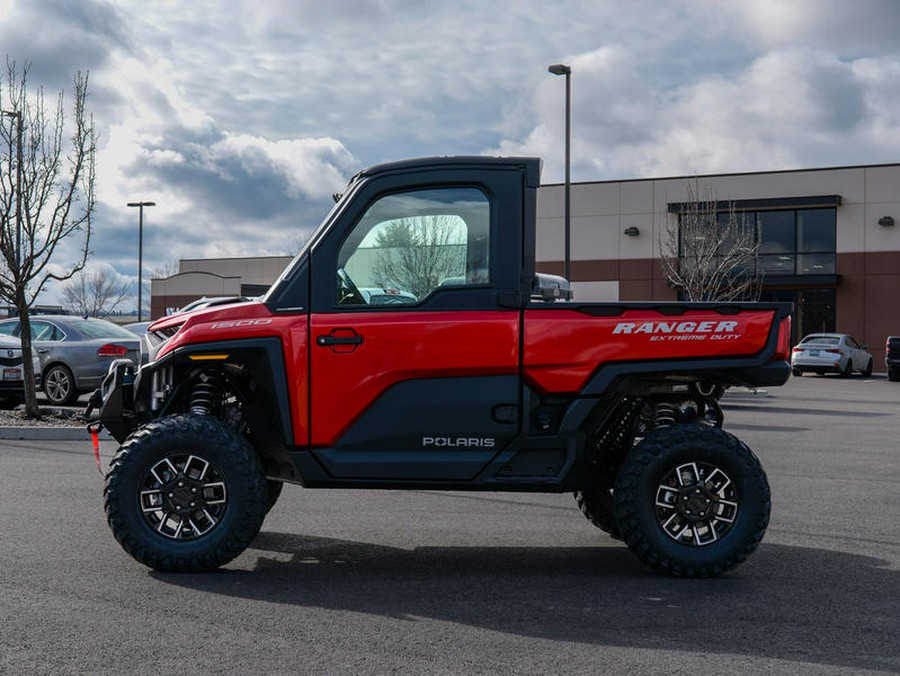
[{"x": 822, "y": 340}]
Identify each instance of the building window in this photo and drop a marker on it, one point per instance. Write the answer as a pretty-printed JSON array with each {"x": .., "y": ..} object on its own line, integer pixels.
[{"x": 796, "y": 242}]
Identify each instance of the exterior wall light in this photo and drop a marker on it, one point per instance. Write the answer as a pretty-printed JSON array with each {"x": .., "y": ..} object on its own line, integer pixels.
[
  {"x": 632, "y": 231},
  {"x": 886, "y": 221}
]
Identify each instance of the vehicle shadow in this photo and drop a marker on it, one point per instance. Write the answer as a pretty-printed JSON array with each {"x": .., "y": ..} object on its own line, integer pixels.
[{"x": 787, "y": 603}]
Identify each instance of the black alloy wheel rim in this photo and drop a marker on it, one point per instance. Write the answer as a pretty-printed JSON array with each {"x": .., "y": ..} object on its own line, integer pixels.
[
  {"x": 183, "y": 497},
  {"x": 696, "y": 504}
]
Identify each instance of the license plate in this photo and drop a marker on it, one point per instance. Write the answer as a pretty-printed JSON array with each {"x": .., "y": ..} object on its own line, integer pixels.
[
  {"x": 12, "y": 374},
  {"x": 813, "y": 353}
]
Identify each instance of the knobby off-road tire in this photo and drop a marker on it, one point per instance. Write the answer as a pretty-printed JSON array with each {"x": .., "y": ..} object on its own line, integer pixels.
[
  {"x": 273, "y": 492},
  {"x": 596, "y": 503},
  {"x": 692, "y": 501},
  {"x": 185, "y": 493}
]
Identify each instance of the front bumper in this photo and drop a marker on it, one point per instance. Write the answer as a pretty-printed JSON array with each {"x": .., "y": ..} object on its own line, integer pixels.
[{"x": 115, "y": 400}]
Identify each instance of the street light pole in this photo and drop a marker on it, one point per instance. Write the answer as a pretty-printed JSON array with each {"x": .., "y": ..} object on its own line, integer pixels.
[
  {"x": 140, "y": 206},
  {"x": 562, "y": 69},
  {"x": 18, "y": 115}
]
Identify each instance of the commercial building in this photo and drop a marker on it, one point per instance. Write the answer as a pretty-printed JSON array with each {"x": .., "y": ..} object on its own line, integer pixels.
[
  {"x": 829, "y": 243},
  {"x": 214, "y": 277}
]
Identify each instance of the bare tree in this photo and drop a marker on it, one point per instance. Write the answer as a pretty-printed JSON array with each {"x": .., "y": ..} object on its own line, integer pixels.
[
  {"x": 46, "y": 196},
  {"x": 96, "y": 293},
  {"x": 710, "y": 252},
  {"x": 166, "y": 269},
  {"x": 417, "y": 254}
]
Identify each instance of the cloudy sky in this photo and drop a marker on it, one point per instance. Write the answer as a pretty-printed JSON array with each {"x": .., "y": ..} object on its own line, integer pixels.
[{"x": 241, "y": 118}]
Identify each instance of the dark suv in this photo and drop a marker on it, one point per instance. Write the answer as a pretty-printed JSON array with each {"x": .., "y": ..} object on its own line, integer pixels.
[{"x": 892, "y": 357}]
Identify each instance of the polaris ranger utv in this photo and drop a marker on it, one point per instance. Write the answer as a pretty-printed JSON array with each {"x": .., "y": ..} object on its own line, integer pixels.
[{"x": 462, "y": 370}]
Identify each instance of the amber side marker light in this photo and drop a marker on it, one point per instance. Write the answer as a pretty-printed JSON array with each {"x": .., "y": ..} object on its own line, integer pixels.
[{"x": 208, "y": 357}]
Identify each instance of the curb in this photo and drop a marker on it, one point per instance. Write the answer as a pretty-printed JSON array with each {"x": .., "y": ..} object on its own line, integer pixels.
[{"x": 49, "y": 434}]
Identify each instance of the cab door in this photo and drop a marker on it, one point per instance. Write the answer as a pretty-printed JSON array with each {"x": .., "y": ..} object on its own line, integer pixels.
[{"x": 414, "y": 359}]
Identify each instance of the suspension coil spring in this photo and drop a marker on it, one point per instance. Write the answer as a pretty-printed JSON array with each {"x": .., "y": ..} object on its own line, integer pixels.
[
  {"x": 207, "y": 392},
  {"x": 664, "y": 414}
]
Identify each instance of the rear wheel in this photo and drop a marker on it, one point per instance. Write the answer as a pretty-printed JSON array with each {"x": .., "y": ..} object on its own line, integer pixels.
[
  {"x": 692, "y": 501},
  {"x": 893, "y": 375},
  {"x": 59, "y": 386},
  {"x": 185, "y": 493},
  {"x": 848, "y": 369},
  {"x": 796, "y": 371}
]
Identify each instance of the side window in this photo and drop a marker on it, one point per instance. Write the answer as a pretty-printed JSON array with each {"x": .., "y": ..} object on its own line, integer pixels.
[
  {"x": 9, "y": 328},
  {"x": 43, "y": 331},
  {"x": 409, "y": 244}
]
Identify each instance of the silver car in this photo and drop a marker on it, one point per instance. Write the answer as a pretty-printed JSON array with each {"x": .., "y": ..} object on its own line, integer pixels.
[
  {"x": 830, "y": 353},
  {"x": 75, "y": 352}
]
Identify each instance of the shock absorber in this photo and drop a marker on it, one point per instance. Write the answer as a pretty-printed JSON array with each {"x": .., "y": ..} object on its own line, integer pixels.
[
  {"x": 664, "y": 414},
  {"x": 207, "y": 392}
]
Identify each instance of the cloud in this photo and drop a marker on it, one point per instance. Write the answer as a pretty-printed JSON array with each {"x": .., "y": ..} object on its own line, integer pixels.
[
  {"x": 847, "y": 29},
  {"x": 785, "y": 109},
  {"x": 59, "y": 37},
  {"x": 222, "y": 194}
]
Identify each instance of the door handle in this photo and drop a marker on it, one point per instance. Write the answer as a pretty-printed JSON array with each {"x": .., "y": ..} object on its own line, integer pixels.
[
  {"x": 339, "y": 340},
  {"x": 342, "y": 341}
]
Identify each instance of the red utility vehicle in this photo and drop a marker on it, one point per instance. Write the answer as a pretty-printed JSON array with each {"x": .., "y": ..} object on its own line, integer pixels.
[{"x": 467, "y": 371}]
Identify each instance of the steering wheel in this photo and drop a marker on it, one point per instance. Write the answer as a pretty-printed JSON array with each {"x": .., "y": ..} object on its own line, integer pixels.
[{"x": 347, "y": 291}]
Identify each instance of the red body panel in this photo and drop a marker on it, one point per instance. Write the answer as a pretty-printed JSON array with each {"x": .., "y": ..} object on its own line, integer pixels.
[
  {"x": 564, "y": 347},
  {"x": 331, "y": 385},
  {"x": 399, "y": 346},
  {"x": 253, "y": 320}
]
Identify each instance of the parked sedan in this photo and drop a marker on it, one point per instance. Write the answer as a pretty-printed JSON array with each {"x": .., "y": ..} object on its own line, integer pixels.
[
  {"x": 75, "y": 352},
  {"x": 830, "y": 353}
]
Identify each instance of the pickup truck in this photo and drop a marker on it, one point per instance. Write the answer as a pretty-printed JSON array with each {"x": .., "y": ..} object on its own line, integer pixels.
[
  {"x": 467, "y": 371},
  {"x": 892, "y": 357}
]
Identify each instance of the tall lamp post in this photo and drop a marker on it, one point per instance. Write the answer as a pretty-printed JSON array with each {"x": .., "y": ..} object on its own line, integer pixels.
[
  {"x": 18, "y": 115},
  {"x": 140, "y": 206},
  {"x": 562, "y": 69}
]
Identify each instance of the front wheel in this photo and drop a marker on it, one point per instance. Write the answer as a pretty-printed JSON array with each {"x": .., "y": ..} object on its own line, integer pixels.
[
  {"x": 868, "y": 372},
  {"x": 692, "y": 501},
  {"x": 185, "y": 493}
]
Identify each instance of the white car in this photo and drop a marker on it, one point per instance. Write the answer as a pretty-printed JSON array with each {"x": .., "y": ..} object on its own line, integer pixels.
[
  {"x": 380, "y": 296},
  {"x": 12, "y": 383},
  {"x": 830, "y": 353}
]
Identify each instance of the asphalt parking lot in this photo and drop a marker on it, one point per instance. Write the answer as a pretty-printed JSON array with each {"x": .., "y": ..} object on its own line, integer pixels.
[{"x": 457, "y": 583}]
